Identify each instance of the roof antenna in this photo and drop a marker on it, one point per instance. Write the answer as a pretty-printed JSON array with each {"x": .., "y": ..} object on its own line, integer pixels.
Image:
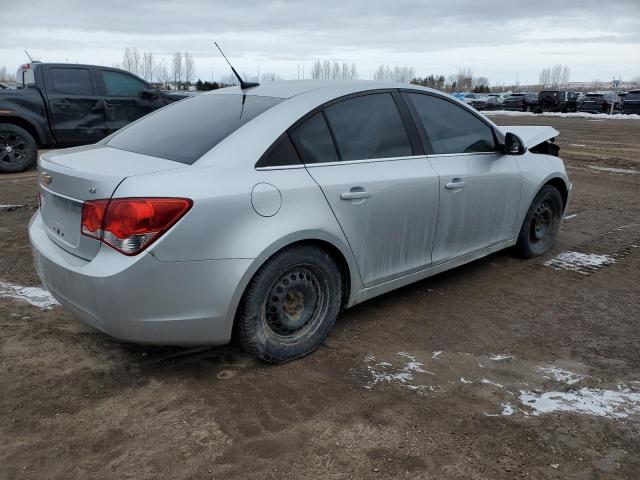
[
  {"x": 30, "y": 59},
  {"x": 243, "y": 85}
]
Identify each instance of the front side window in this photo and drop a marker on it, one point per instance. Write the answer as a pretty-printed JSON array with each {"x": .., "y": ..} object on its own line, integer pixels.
[
  {"x": 367, "y": 127},
  {"x": 186, "y": 130},
  {"x": 122, "y": 85},
  {"x": 313, "y": 141},
  {"x": 450, "y": 128},
  {"x": 74, "y": 81}
]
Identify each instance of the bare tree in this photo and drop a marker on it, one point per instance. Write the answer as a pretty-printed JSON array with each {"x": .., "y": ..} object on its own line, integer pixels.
[
  {"x": 397, "y": 74},
  {"x": 6, "y": 76},
  {"x": 176, "y": 69},
  {"x": 147, "y": 66},
  {"x": 269, "y": 77},
  {"x": 162, "y": 73},
  {"x": 464, "y": 80},
  {"x": 555, "y": 76},
  {"x": 325, "y": 69},
  {"x": 189, "y": 68}
]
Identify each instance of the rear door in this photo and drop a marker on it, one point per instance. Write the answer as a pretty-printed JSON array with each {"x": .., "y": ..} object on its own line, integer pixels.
[
  {"x": 127, "y": 98},
  {"x": 479, "y": 187},
  {"x": 75, "y": 106},
  {"x": 377, "y": 181}
]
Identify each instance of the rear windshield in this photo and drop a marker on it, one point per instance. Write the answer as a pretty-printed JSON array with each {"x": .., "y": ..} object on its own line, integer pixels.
[
  {"x": 632, "y": 96},
  {"x": 188, "y": 129}
]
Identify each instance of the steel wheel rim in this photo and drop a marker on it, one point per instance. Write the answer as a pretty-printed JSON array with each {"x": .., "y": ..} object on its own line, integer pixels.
[
  {"x": 542, "y": 222},
  {"x": 13, "y": 148},
  {"x": 297, "y": 303}
]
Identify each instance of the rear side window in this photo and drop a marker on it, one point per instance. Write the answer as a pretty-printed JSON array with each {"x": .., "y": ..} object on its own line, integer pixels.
[
  {"x": 187, "y": 129},
  {"x": 369, "y": 126},
  {"x": 122, "y": 85},
  {"x": 313, "y": 141},
  {"x": 282, "y": 155},
  {"x": 74, "y": 81},
  {"x": 450, "y": 128}
]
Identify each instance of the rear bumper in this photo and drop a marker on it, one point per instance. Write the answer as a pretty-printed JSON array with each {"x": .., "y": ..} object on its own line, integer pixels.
[{"x": 142, "y": 299}]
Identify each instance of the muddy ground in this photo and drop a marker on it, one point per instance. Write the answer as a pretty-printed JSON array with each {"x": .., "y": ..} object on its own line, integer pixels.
[{"x": 500, "y": 369}]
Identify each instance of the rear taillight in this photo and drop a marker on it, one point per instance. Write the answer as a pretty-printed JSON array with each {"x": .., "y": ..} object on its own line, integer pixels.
[{"x": 131, "y": 224}]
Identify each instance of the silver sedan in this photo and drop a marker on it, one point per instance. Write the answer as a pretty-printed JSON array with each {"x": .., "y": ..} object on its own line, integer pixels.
[{"x": 263, "y": 212}]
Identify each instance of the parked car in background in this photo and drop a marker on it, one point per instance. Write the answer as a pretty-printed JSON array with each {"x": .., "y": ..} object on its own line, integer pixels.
[
  {"x": 557, "y": 101},
  {"x": 69, "y": 104},
  {"x": 264, "y": 212},
  {"x": 600, "y": 102},
  {"x": 494, "y": 101},
  {"x": 631, "y": 103},
  {"x": 476, "y": 100},
  {"x": 521, "y": 102}
]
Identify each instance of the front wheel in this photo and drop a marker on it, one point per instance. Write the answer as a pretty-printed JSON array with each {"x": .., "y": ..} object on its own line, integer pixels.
[
  {"x": 541, "y": 224},
  {"x": 18, "y": 149},
  {"x": 290, "y": 305}
]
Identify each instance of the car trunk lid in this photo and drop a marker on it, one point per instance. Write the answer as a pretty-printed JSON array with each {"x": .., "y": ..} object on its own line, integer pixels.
[{"x": 70, "y": 177}]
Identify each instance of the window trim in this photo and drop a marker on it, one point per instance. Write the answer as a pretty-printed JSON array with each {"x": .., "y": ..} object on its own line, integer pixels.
[
  {"x": 103, "y": 85},
  {"x": 408, "y": 121},
  {"x": 55, "y": 91},
  {"x": 423, "y": 133}
]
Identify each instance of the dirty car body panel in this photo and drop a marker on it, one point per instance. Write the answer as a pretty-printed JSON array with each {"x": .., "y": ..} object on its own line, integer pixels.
[{"x": 393, "y": 209}]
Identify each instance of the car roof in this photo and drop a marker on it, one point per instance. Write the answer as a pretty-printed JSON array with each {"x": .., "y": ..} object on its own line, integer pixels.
[{"x": 291, "y": 88}]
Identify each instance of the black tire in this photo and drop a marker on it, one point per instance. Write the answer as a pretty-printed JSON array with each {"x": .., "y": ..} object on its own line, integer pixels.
[
  {"x": 290, "y": 305},
  {"x": 541, "y": 224},
  {"x": 18, "y": 149}
]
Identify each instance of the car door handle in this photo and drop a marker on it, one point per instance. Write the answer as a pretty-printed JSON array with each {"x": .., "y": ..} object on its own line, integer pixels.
[
  {"x": 355, "y": 195},
  {"x": 455, "y": 185},
  {"x": 63, "y": 104}
]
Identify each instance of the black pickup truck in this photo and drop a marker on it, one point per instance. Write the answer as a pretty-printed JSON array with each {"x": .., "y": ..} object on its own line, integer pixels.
[{"x": 67, "y": 104}]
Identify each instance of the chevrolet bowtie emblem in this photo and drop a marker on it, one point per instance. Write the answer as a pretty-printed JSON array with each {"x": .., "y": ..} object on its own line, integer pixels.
[{"x": 46, "y": 178}]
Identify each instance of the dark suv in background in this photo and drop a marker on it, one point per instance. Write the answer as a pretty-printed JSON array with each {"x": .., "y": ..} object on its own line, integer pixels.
[
  {"x": 557, "y": 101},
  {"x": 600, "y": 102},
  {"x": 631, "y": 103},
  {"x": 62, "y": 104},
  {"x": 521, "y": 102}
]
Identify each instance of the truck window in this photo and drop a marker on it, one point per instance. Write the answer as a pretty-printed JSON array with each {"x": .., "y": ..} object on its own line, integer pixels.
[
  {"x": 122, "y": 85},
  {"x": 74, "y": 81}
]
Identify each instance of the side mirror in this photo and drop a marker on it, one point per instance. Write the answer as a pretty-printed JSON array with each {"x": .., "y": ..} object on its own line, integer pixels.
[
  {"x": 149, "y": 94},
  {"x": 513, "y": 144}
]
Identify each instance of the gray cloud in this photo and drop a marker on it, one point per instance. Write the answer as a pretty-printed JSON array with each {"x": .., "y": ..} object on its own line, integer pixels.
[{"x": 419, "y": 33}]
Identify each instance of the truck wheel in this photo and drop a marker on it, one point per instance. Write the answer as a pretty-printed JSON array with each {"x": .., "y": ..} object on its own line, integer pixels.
[
  {"x": 290, "y": 305},
  {"x": 18, "y": 149}
]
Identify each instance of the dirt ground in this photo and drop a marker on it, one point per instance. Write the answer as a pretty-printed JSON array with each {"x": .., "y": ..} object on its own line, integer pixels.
[{"x": 500, "y": 369}]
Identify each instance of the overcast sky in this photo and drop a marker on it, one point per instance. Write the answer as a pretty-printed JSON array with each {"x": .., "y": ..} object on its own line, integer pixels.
[{"x": 501, "y": 39}]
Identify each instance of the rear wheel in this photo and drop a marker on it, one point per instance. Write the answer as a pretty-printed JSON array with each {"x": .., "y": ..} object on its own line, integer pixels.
[
  {"x": 18, "y": 149},
  {"x": 541, "y": 224},
  {"x": 290, "y": 305}
]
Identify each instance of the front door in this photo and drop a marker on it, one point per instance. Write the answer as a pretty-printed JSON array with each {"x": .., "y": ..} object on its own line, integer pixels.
[
  {"x": 384, "y": 197},
  {"x": 75, "y": 106},
  {"x": 480, "y": 187},
  {"x": 127, "y": 98}
]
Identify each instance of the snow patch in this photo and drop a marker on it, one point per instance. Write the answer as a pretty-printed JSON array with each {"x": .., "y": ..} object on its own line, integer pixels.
[
  {"x": 507, "y": 410},
  {"x": 602, "y": 403},
  {"x": 615, "y": 116},
  {"x": 491, "y": 382},
  {"x": 612, "y": 169},
  {"x": 386, "y": 372},
  {"x": 436, "y": 354},
  {"x": 571, "y": 216},
  {"x": 502, "y": 356},
  {"x": 579, "y": 262},
  {"x": 36, "y": 296},
  {"x": 462, "y": 380},
  {"x": 559, "y": 375}
]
